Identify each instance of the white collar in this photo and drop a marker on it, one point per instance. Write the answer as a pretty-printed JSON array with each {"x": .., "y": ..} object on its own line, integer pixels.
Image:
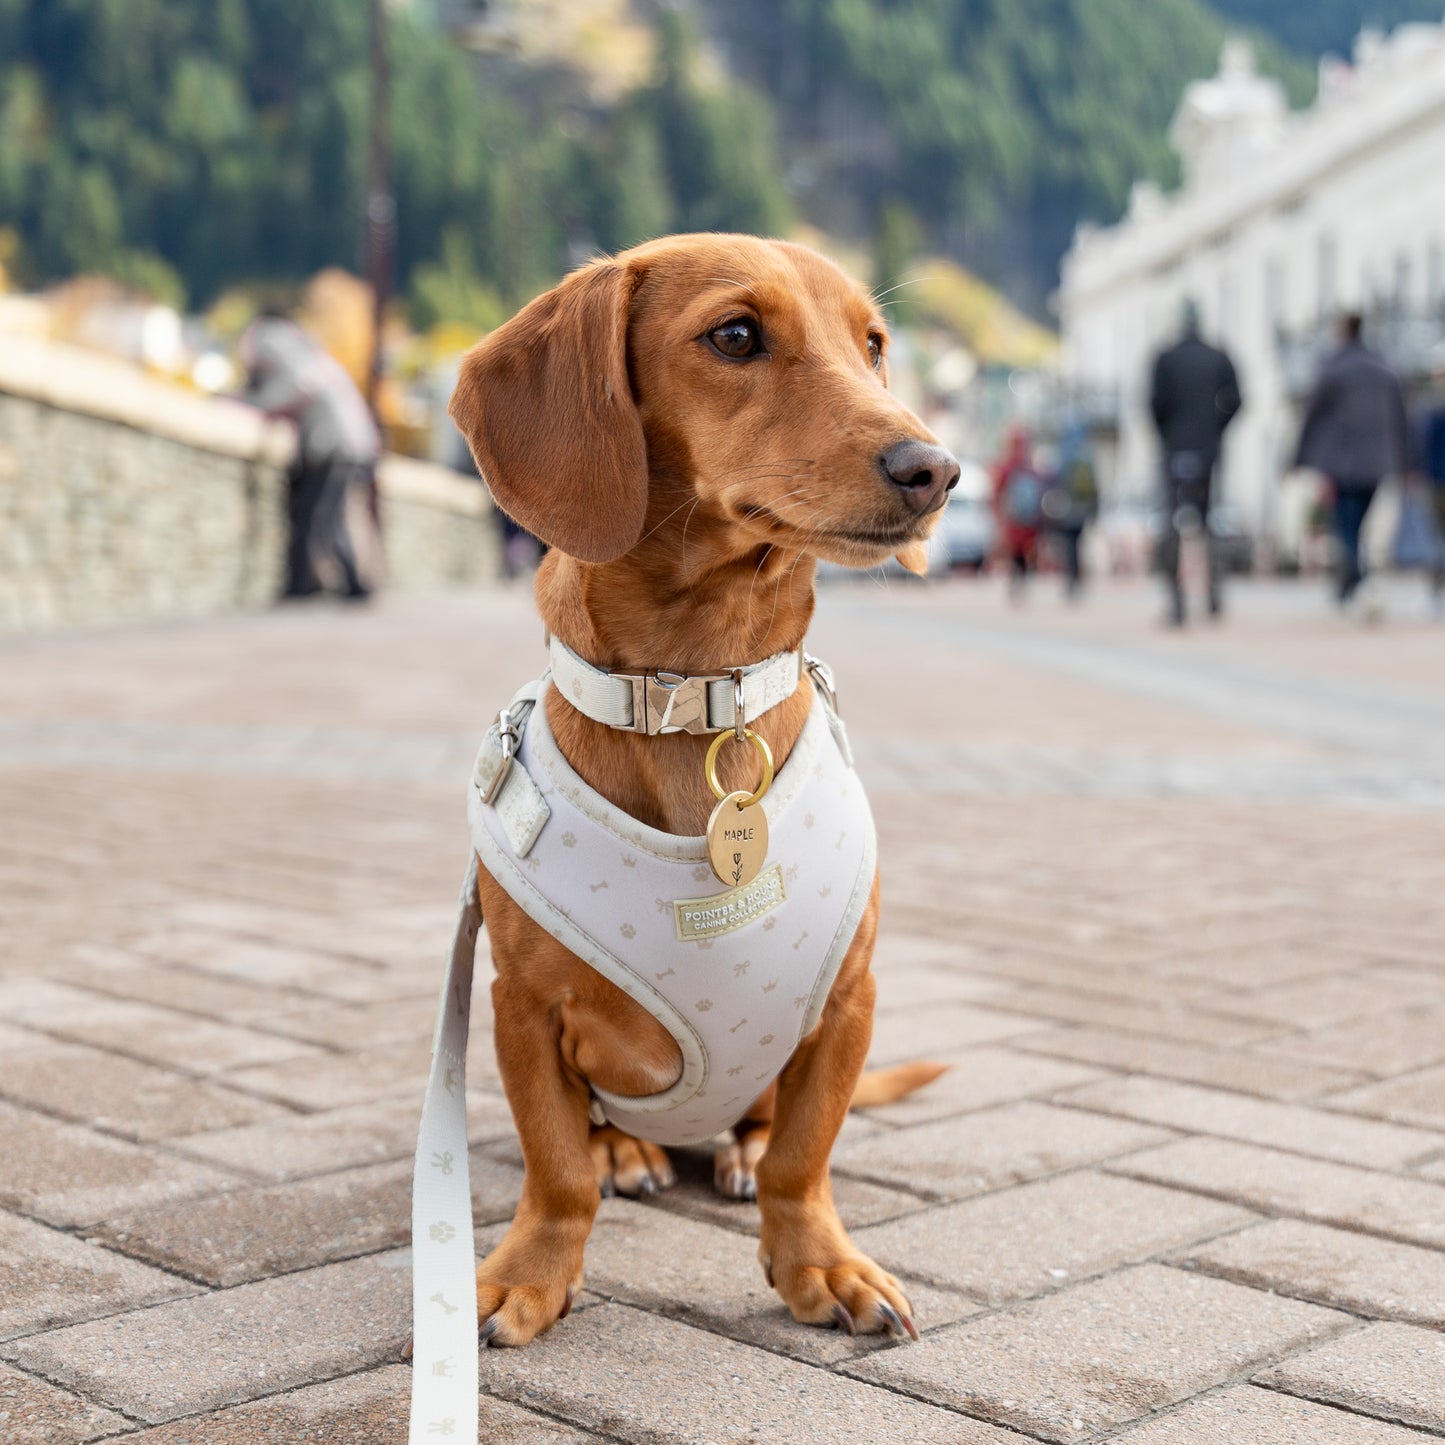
[{"x": 671, "y": 702}]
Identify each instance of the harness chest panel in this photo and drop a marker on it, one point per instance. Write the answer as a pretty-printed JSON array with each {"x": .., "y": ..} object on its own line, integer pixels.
[{"x": 736, "y": 977}]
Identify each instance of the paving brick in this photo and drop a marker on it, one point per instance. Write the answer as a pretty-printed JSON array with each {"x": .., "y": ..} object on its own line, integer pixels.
[
  {"x": 331, "y": 1080},
  {"x": 1414, "y": 1099},
  {"x": 1044, "y": 1236},
  {"x": 1103, "y": 1354},
  {"x": 980, "y": 1077},
  {"x": 253, "y": 1233},
  {"x": 252, "y": 960},
  {"x": 859, "y": 1203},
  {"x": 197, "y": 1354},
  {"x": 121, "y": 1095},
  {"x": 711, "y": 1277},
  {"x": 357, "y": 1026},
  {"x": 1335, "y": 1267},
  {"x": 1190, "y": 1021},
  {"x": 637, "y": 1377},
  {"x": 1395, "y": 1372},
  {"x": 299, "y": 1145},
  {"x": 975, "y": 1152},
  {"x": 1255, "y": 962},
  {"x": 165, "y": 1036},
  {"x": 1258, "y": 1121},
  {"x": 1319, "y": 1002},
  {"x": 48, "y": 1278},
  {"x": 103, "y": 968},
  {"x": 1249, "y": 1072},
  {"x": 945, "y": 1028},
  {"x": 1393, "y": 1043},
  {"x": 365, "y": 1409},
  {"x": 1360, "y": 1199},
  {"x": 33, "y": 1412},
  {"x": 1248, "y": 1415},
  {"x": 67, "y": 1175}
]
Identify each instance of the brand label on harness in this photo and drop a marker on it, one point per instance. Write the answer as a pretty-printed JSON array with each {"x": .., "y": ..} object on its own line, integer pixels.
[{"x": 699, "y": 918}]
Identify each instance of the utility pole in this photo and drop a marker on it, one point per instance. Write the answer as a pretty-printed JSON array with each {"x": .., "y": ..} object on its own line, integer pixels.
[{"x": 380, "y": 203}]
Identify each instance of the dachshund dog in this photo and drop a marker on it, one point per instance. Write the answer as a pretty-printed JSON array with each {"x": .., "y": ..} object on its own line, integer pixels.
[{"x": 688, "y": 426}]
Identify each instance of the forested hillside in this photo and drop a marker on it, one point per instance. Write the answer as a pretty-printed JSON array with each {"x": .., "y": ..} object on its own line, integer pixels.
[
  {"x": 1319, "y": 27},
  {"x": 190, "y": 147}
]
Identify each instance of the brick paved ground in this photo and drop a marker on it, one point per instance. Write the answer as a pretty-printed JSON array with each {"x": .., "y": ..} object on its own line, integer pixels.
[{"x": 1171, "y": 905}]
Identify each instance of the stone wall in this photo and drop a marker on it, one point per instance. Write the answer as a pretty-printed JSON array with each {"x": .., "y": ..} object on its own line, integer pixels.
[{"x": 123, "y": 497}]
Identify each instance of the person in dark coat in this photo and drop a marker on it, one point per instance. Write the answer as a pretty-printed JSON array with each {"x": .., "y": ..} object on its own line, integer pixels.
[
  {"x": 1355, "y": 433},
  {"x": 1194, "y": 395}
]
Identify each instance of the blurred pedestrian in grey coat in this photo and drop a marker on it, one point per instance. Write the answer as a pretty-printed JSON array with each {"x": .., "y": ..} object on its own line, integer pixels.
[
  {"x": 290, "y": 375},
  {"x": 1194, "y": 396},
  {"x": 1356, "y": 434}
]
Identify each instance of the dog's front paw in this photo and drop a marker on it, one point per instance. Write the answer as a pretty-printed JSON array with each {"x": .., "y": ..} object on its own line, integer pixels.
[
  {"x": 624, "y": 1165},
  {"x": 841, "y": 1287},
  {"x": 513, "y": 1314}
]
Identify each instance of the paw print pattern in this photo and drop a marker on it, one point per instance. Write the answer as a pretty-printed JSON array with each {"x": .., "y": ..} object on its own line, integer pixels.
[
  {"x": 703, "y": 1005},
  {"x": 569, "y": 840},
  {"x": 701, "y": 874},
  {"x": 629, "y": 860},
  {"x": 627, "y": 931},
  {"x": 765, "y": 1041}
]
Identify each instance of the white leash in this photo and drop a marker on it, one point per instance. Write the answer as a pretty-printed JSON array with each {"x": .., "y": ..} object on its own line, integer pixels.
[{"x": 443, "y": 1256}]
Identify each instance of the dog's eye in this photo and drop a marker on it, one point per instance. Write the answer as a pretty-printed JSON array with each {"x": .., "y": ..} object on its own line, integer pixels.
[
  {"x": 738, "y": 338},
  {"x": 875, "y": 351}
]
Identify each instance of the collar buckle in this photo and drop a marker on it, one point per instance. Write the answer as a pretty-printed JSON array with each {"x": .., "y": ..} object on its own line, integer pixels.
[{"x": 669, "y": 702}]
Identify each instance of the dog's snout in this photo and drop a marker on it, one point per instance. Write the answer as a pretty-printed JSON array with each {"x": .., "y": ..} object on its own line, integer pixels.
[{"x": 922, "y": 471}]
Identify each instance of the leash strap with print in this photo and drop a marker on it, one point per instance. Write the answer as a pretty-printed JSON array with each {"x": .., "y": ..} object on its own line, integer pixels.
[{"x": 443, "y": 1255}]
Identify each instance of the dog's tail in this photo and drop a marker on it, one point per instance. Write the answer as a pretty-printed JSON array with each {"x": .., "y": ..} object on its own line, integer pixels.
[{"x": 887, "y": 1086}]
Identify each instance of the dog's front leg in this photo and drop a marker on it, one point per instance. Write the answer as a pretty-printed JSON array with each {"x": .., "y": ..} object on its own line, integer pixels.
[
  {"x": 527, "y": 1283},
  {"x": 805, "y": 1251}
]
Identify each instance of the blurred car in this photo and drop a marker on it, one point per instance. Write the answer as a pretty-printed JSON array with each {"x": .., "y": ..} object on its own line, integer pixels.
[{"x": 967, "y": 527}]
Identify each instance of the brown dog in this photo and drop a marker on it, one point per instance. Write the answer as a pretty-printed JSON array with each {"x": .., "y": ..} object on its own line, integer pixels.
[{"x": 688, "y": 425}]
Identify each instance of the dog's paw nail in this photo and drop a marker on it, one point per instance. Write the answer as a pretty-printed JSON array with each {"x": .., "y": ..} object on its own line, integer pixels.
[
  {"x": 890, "y": 1318},
  {"x": 608, "y": 1188},
  {"x": 484, "y": 1335},
  {"x": 647, "y": 1188},
  {"x": 567, "y": 1304},
  {"x": 911, "y": 1328},
  {"x": 410, "y": 1347},
  {"x": 844, "y": 1319}
]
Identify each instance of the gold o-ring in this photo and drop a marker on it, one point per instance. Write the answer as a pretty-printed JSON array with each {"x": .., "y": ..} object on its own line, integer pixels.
[{"x": 711, "y": 766}]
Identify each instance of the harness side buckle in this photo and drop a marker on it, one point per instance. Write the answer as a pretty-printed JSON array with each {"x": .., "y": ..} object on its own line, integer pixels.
[{"x": 510, "y": 740}]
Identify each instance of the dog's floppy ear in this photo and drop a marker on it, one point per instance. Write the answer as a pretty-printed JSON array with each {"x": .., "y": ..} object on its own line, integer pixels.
[{"x": 546, "y": 405}]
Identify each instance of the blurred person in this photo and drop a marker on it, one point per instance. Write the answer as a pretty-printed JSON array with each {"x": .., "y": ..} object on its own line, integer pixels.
[
  {"x": 1431, "y": 462},
  {"x": 290, "y": 375},
  {"x": 1193, "y": 395},
  {"x": 1072, "y": 501},
  {"x": 1355, "y": 434},
  {"x": 1018, "y": 496}
]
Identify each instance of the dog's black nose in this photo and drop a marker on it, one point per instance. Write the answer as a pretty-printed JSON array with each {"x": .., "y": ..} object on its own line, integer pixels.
[{"x": 924, "y": 472}]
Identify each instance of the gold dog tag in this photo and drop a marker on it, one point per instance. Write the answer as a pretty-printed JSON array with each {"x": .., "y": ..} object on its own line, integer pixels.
[{"x": 737, "y": 840}]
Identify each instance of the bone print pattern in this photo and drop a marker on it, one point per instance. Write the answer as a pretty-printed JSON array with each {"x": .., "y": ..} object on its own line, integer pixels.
[{"x": 739, "y": 1000}]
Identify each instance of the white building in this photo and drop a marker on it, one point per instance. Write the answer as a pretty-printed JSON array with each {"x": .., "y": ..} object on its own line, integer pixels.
[{"x": 1283, "y": 220}]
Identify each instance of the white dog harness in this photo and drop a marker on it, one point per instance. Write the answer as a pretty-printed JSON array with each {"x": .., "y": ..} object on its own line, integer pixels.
[{"x": 737, "y": 977}]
